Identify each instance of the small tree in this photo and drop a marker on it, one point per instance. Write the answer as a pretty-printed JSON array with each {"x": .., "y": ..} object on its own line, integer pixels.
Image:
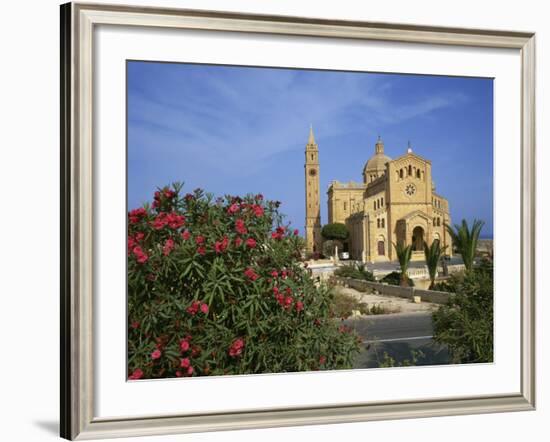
[
  {"x": 404, "y": 254},
  {"x": 335, "y": 231},
  {"x": 329, "y": 247},
  {"x": 465, "y": 324},
  {"x": 465, "y": 240},
  {"x": 433, "y": 255}
]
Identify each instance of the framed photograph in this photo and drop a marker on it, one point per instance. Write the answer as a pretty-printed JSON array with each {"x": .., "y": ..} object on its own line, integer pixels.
[{"x": 274, "y": 221}]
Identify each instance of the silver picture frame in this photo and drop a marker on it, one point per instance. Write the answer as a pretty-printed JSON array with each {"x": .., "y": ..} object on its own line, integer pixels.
[{"x": 78, "y": 21}]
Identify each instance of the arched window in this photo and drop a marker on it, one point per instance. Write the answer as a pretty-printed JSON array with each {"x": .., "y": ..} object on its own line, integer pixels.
[
  {"x": 438, "y": 222},
  {"x": 382, "y": 202},
  {"x": 410, "y": 170},
  {"x": 401, "y": 173},
  {"x": 345, "y": 206},
  {"x": 375, "y": 205},
  {"x": 311, "y": 156},
  {"x": 383, "y": 222},
  {"x": 378, "y": 222},
  {"x": 418, "y": 173}
]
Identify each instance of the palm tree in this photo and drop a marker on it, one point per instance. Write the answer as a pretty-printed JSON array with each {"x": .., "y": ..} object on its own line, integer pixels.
[
  {"x": 404, "y": 254},
  {"x": 465, "y": 240},
  {"x": 433, "y": 255}
]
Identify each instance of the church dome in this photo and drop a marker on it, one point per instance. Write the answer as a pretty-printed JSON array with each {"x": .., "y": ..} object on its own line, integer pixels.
[{"x": 378, "y": 160}]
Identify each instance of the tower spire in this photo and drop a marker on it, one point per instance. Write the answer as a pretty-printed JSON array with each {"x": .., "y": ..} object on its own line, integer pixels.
[
  {"x": 379, "y": 147},
  {"x": 311, "y": 139}
]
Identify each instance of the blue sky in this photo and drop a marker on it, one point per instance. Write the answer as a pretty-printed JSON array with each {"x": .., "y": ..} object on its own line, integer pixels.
[{"x": 238, "y": 130}]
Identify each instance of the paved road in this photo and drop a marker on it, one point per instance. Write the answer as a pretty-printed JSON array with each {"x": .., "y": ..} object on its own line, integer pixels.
[{"x": 402, "y": 337}]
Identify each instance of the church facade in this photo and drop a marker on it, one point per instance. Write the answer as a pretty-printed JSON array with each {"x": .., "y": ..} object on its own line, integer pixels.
[{"x": 396, "y": 203}]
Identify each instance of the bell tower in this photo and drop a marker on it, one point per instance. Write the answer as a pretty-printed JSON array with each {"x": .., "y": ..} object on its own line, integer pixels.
[{"x": 313, "y": 196}]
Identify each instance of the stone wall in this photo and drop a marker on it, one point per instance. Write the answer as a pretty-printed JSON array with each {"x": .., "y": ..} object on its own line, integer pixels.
[{"x": 436, "y": 297}]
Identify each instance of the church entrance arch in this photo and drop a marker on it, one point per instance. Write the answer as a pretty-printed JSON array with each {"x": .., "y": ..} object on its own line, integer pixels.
[
  {"x": 381, "y": 247},
  {"x": 417, "y": 239}
]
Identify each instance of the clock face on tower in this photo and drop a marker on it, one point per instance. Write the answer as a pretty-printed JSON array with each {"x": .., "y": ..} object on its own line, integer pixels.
[
  {"x": 410, "y": 189},
  {"x": 312, "y": 172}
]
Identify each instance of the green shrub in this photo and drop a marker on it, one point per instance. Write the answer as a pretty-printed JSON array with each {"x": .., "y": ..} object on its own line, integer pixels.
[
  {"x": 465, "y": 325},
  {"x": 215, "y": 287},
  {"x": 343, "y": 305},
  {"x": 389, "y": 361},
  {"x": 394, "y": 278},
  {"x": 357, "y": 271}
]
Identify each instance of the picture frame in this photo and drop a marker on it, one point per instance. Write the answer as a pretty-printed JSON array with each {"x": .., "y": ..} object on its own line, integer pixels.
[{"x": 79, "y": 201}]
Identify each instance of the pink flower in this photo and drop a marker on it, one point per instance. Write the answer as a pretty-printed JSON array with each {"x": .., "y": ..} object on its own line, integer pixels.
[
  {"x": 140, "y": 255},
  {"x": 258, "y": 210},
  {"x": 236, "y": 348},
  {"x": 251, "y": 274},
  {"x": 185, "y": 363},
  {"x": 204, "y": 308},
  {"x": 140, "y": 236},
  {"x": 156, "y": 354},
  {"x": 174, "y": 220},
  {"x": 199, "y": 240},
  {"x": 288, "y": 302},
  {"x": 135, "y": 325},
  {"x": 278, "y": 234},
  {"x": 322, "y": 360},
  {"x": 299, "y": 306},
  {"x": 136, "y": 215},
  {"x": 190, "y": 370},
  {"x": 131, "y": 244},
  {"x": 201, "y": 250},
  {"x": 238, "y": 241},
  {"x": 186, "y": 235},
  {"x": 168, "y": 246},
  {"x": 240, "y": 227},
  {"x": 184, "y": 345},
  {"x": 274, "y": 273},
  {"x": 251, "y": 243},
  {"x": 233, "y": 208},
  {"x": 160, "y": 221},
  {"x": 221, "y": 246},
  {"x": 296, "y": 232},
  {"x": 136, "y": 374},
  {"x": 193, "y": 308}
]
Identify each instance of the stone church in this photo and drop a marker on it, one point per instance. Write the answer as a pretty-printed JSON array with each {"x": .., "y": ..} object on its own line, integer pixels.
[{"x": 396, "y": 202}]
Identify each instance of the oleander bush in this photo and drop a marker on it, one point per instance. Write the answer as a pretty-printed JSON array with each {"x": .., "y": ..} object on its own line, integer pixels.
[{"x": 216, "y": 286}]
